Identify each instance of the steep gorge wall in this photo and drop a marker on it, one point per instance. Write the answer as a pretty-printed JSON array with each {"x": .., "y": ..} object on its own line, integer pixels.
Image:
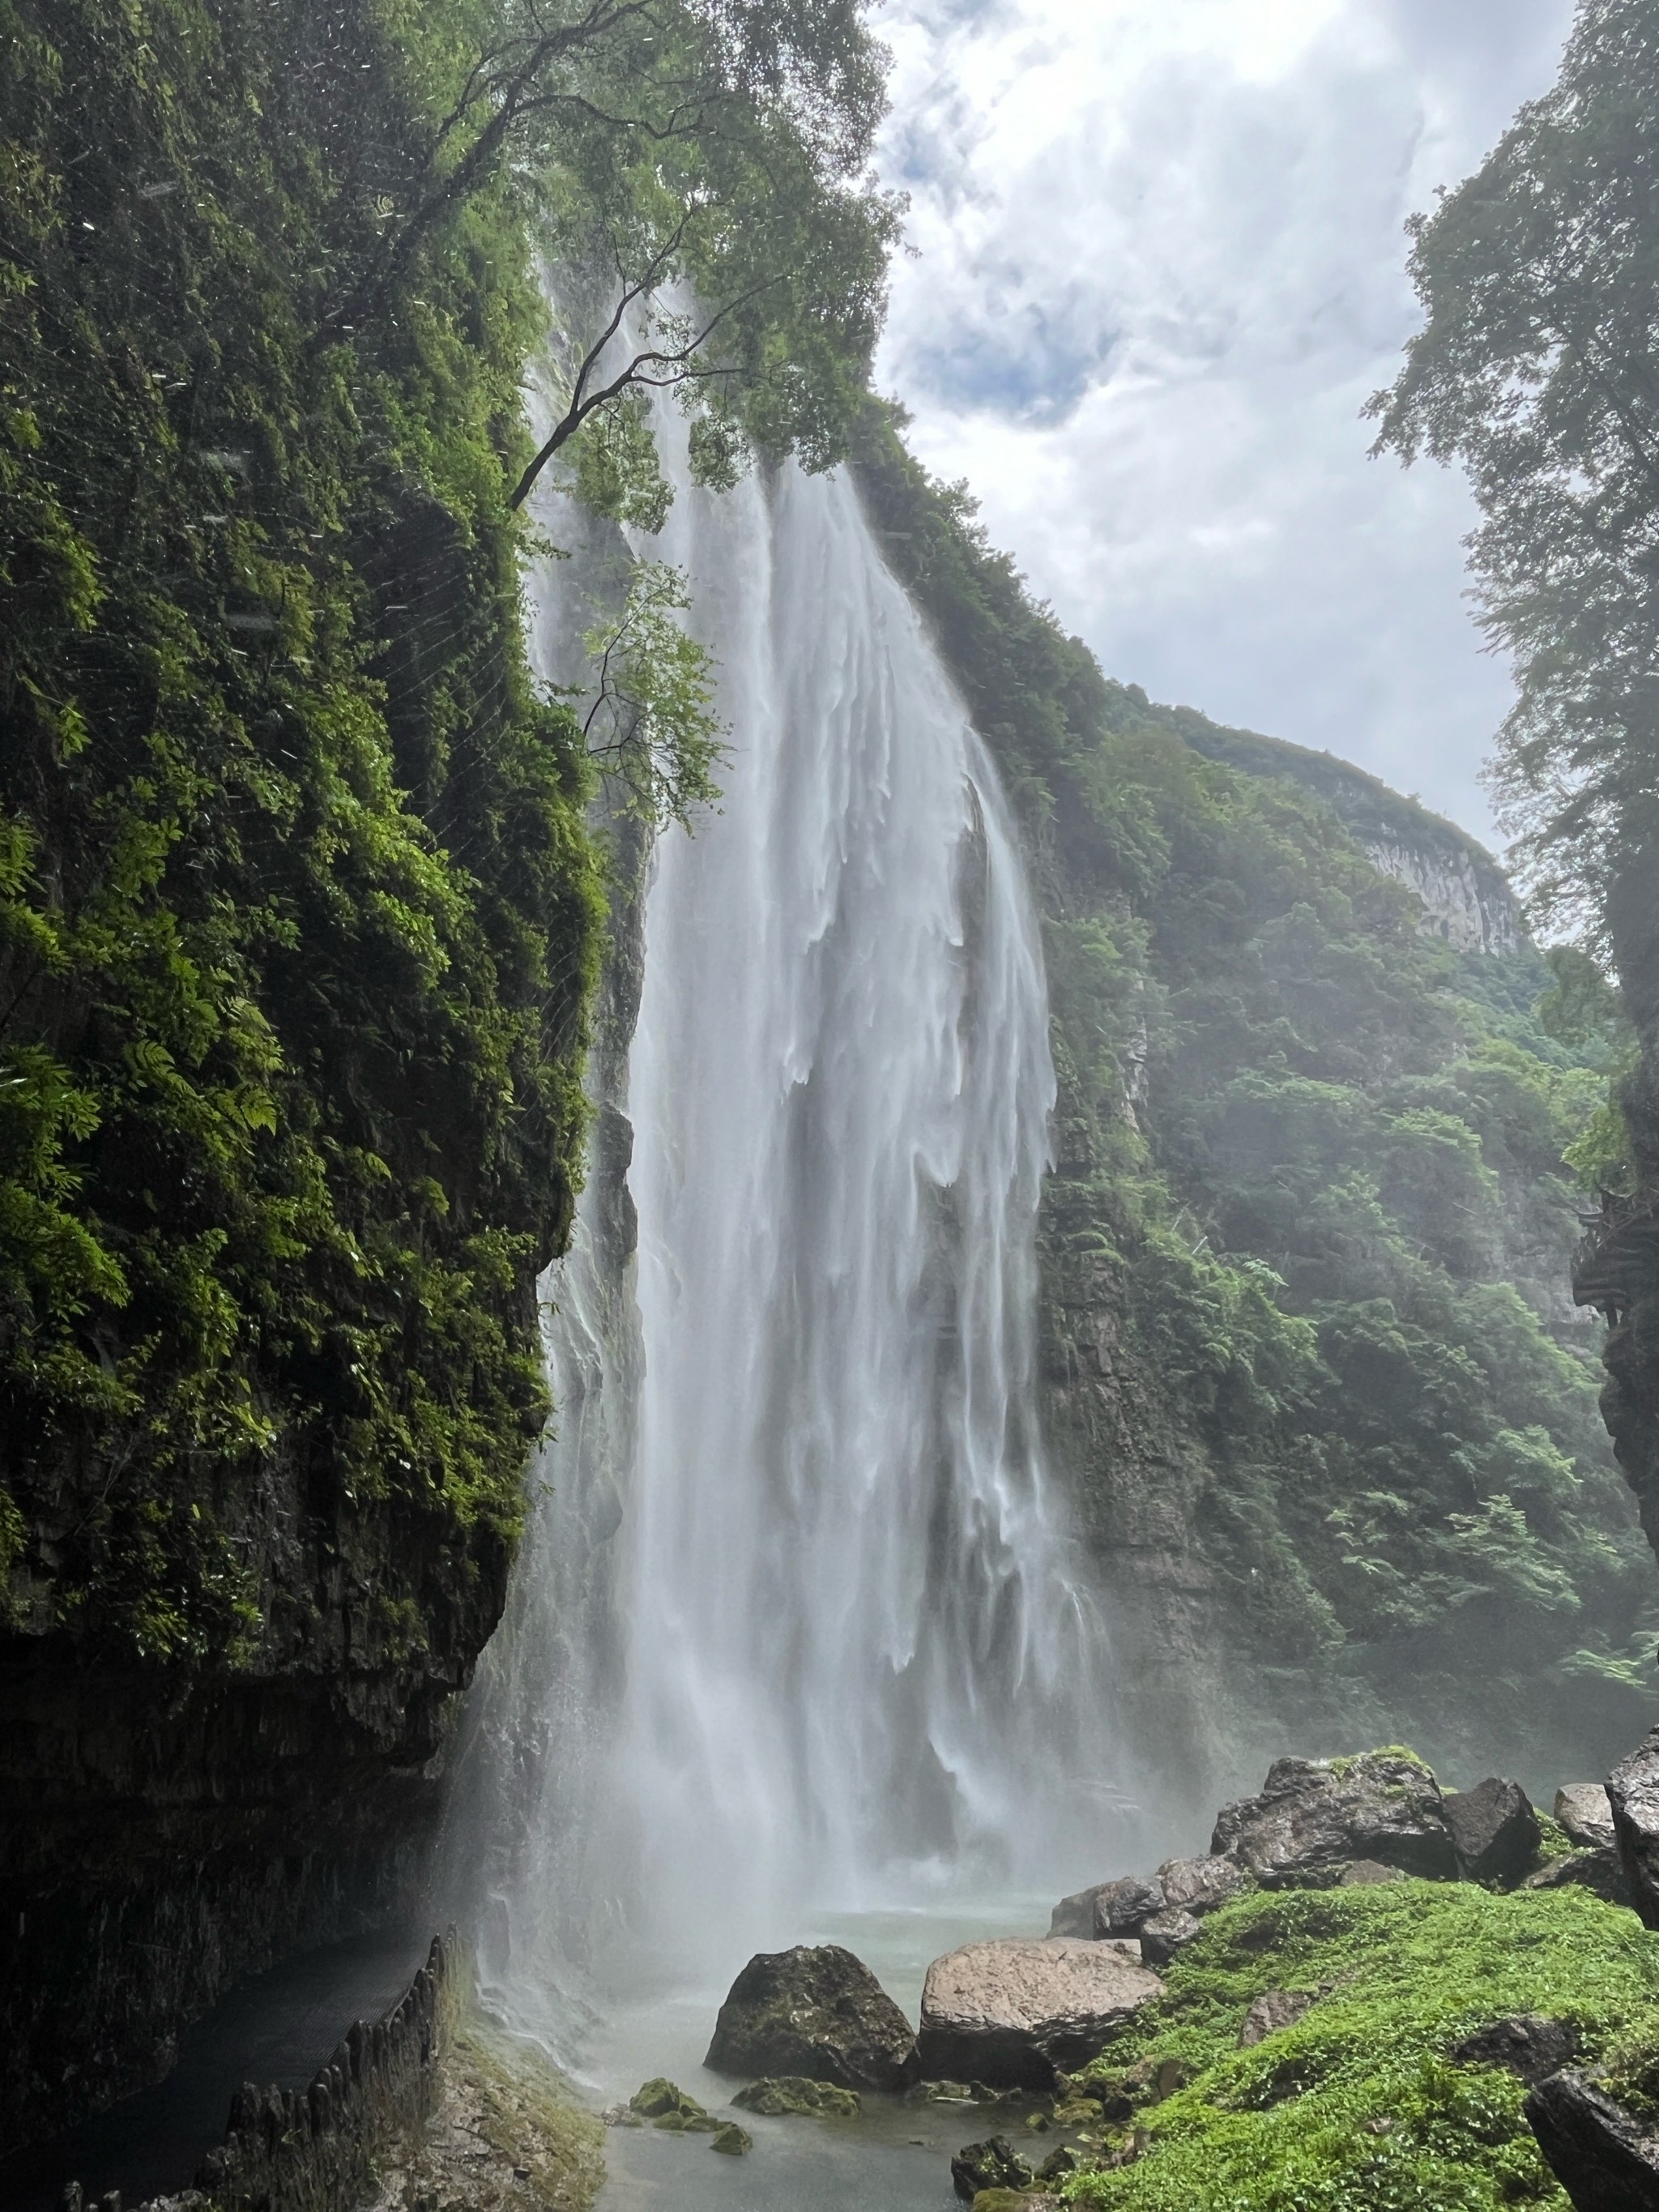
[
  {"x": 297, "y": 917},
  {"x": 1324, "y": 1407}
]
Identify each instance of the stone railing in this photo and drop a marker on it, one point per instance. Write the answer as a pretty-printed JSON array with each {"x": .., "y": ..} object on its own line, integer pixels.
[{"x": 317, "y": 2149}]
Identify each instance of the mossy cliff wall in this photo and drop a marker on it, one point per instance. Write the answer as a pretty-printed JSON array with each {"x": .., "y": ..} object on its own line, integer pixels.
[
  {"x": 298, "y": 913},
  {"x": 1316, "y": 1382}
]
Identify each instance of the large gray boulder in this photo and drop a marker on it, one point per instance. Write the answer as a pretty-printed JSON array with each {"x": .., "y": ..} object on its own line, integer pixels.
[
  {"x": 1585, "y": 1811},
  {"x": 1605, "y": 2160},
  {"x": 1013, "y": 2014},
  {"x": 816, "y": 2011},
  {"x": 1312, "y": 1816},
  {"x": 1633, "y": 1792},
  {"x": 1494, "y": 1831}
]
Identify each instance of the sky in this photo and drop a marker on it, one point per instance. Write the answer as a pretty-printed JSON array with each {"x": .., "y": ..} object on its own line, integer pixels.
[{"x": 1157, "y": 268}]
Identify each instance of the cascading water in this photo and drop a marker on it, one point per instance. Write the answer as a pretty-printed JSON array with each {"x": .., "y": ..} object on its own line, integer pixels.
[{"x": 794, "y": 1629}]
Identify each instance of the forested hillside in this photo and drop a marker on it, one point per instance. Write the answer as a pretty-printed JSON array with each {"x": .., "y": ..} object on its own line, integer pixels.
[{"x": 1316, "y": 1376}]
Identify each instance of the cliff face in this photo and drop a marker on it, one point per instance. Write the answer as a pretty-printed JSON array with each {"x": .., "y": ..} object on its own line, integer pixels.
[
  {"x": 1324, "y": 1405},
  {"x": 1468, "y": 900},
  {"x": 297, "y": 919}
]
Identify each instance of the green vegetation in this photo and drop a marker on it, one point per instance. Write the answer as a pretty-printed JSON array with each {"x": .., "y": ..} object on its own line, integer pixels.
[
  {"x": 298, "y": 911},
  {"x": 1312, "y": 1184},
  {"x": 1359, "y": 2106}
]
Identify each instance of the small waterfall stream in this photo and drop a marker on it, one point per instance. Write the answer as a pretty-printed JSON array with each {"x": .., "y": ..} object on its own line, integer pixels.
[{"x": 794, "y": 1629}]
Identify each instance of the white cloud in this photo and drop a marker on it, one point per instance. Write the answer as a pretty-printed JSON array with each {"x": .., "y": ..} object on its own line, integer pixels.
[{"x": 1159, "y": 269}]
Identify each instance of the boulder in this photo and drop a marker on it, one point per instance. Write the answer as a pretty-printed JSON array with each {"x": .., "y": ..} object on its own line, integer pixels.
[
  {"x": 1313, "y": 1816},
  {"x": 1015, "y": 2012},
  {"x": 1525, "y": 2044},
  {"x": 994, "y": 2164},
  {"x": 1633, "y": 1792},
  {"x": 1271, "y": 2010},
  {"x": 790, "y": 2095},
  {"x": 1200, "y": 1886},
  {"x": 1494, "y": 1831},
  {"x": 734, "y": 2141},
  {"x": 1602, "y": 1872},
  {"x": 1165, "y": 1934},
  {"x": 1121, "y": 1906},
  {"x": 1075, "y": 1915},
  {"x": 1585, "y": 1811},
  {"x": 1360, "y": 1874},
  {"x": 816, "y": 2011},
  {"x": 1602, "y": 2157}
]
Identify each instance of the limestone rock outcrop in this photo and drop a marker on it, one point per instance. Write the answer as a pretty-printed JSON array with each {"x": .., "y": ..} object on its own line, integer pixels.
[
  {"x": 1014, "y": 2013},
  {"x": 817, "y": 2011},
  {"x": 1312, "y": 1816},
  {"x": 1494, "y": 1831}
]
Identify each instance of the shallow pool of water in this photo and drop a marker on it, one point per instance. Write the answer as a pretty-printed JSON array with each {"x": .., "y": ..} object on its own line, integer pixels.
[{"x": 896, "y": 2157}]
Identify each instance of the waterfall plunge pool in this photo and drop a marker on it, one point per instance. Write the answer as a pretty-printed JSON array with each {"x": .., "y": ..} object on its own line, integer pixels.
[{"x": 896, "y": 2157}]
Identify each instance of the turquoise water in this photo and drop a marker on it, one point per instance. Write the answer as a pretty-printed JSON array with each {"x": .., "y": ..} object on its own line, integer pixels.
[{"x": 896, "y": 2159}]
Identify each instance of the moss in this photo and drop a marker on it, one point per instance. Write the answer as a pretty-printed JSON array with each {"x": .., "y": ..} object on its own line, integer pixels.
[
  {"x": 793, "y": 2094},
  {"x": 298, "y": 911},
  {"x": 1358, "y": 2106}
]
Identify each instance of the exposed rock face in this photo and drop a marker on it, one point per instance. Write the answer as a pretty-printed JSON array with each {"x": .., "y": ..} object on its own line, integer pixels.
[
  {"x": 1494, "y": 1831},
  {"x": 1633, "y": 1791},
  {"x": 1585, "y": 1811},
  {"x": 1271, "y": 2010},
  {"x": 1604, "y": 2160},
  {"x": 1011, "y": 2014},
  {"x": 1311, "y": 1817},
  {"x": 1526, "y": 2045},
  {"x": 816, "y": 2011}
]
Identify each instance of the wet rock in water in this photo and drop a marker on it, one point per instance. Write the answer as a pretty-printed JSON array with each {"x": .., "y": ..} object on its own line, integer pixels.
[
  {"x": 994, "y": 2164},
  {"x": 1271, "y": 2010},
  {"x": 1165, "y": 1934},
  {"x": 1200, "y": 1886},
  {"x": 1526, "y": 2045},
  {"x": 791, "y": 2094},
  {"x": 733, "y": 2139},
  {"x": 1633, "y": 1792},
  {"x": 1059, "y": 2163},
  {"x": 1494, "y": 1831},
  {"x": 1602, "y": 1872},
  {"x": 1014, "y": 2012},
  {"x": 1585, "y": 1811},
  {"x": 1604, "y": 2159},
  {"x": 1360, "y": 1874},
  {"x": 661, "y": 2099},
  {"x": 1313, "y": 1816},
  {"x": 817, "y": 2011}
]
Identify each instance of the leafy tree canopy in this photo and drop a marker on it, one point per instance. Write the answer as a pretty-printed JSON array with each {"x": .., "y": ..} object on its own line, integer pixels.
[{"x": 1535, "y": 369}]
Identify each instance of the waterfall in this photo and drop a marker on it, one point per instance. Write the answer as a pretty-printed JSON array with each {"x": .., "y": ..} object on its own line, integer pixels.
[{"x": 796, "y": 1627}]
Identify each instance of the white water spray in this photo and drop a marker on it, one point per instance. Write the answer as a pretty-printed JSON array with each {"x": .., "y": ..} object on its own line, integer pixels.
[{"x": 795, "y": 1629}]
